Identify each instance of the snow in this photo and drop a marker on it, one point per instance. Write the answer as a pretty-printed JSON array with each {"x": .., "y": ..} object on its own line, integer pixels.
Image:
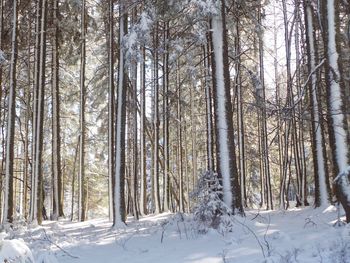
[
  {"x": 296, "y": 235},
  {"x": 217, "y": 28},
  {"x": 15, "y": 251}
]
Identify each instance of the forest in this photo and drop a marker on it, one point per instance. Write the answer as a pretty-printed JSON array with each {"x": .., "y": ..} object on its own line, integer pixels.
[{"x": 203, "y": 110}]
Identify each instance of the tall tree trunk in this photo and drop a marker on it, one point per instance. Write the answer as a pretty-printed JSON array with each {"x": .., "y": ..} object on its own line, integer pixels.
[
  {"x": 8, "y": 190},
  {"x": 156, "y": 126},
  {"x": 240, "y": 118},
  {"x": 134, "y": 130},
  {"x": 226, "y": 157},
  {"x": 82, "y": 200},
  {"x": 179, "y": 141},
  {"x": 38, "y": 188},
  {"x": 56, "y": 135},
  {"x": 166, "y": 116},
  {"x": 111, "y": 107},
  {"x": 34, "y": 181},
  {"x": 74, "y": 176},
  {"x": 264, "y": 139},
  {"x": 322, "y": 195},
  {"x": 119, "y": 215},
  {"x": 143, "y": 174},
  {"x": 208, "y": 108},
  {"x": 339, "y": 132}
]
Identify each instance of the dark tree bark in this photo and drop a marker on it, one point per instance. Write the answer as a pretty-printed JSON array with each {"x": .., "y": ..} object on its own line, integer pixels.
[
  {"x": 82, "y": 200},
  {"x": 8, "y": 193},
  {"x": 56, "y": 134}
]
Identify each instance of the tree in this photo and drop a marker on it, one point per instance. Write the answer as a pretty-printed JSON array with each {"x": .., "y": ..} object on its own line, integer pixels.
[
  {"x": 319, "y": 159},
  {"x": 82, "y": 180},
  {"x": 8, "y": 193},
  {"x": 111, "y": 107},
  {"x": 119, "y": 213},
  {"x": 335, "y": 103},
  {"x": 56, "y": 134},
  {"x": 156, "y": 197},
  {"x": 225, "y": 146},
  {"x": 38, "y": 114}
]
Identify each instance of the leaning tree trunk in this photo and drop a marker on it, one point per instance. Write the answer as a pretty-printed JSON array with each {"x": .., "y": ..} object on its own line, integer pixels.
[
  {"x": 225, "y": 150},
  {"x": 8, "y": 190}
]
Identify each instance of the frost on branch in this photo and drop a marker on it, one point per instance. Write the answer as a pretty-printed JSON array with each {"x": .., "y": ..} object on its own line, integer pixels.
[
  {"x": 139, "y": 34},
  {"x": 210, "y": 211}
]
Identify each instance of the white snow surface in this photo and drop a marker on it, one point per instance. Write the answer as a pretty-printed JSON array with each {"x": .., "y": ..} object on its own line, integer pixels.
[{"x": 296, "y": 235}]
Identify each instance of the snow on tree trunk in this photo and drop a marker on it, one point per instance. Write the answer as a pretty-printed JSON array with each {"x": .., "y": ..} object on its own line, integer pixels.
[
  {"x": 317, "y": 127},
  {"x": 118, "y": 184},
  {"x": 8, "y": 191},
  {"x": 336, "y": 110},
  {"x": 222, "y": 126},
  {"x": 223, "y": 112}
]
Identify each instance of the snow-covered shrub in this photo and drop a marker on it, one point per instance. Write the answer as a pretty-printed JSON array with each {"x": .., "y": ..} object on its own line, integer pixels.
[
  {"x": 210, "y": 211},
  {"x": 15, "y": 251}
]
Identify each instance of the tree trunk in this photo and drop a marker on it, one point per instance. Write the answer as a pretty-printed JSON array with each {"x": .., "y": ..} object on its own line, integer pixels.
[
  {"x": 82, "y": 181},
  {"x": 8, "y": 190},
  {"x": 111, "y": 107},
  {"x": 264, "y": 139},
  {"x": 225, "y": 151},
  {"x": 38, "y": 187},
  {"x": 34, "y": 182},
  {"x": 166, "y": 116},
  {"x": 119, "y": 215},
  {"x": 322, "y": 196},
  {"x": 56, "y": 136},
  {"x": 208, "y": 109},
  {"x": 156, "y": 126},
  {"x": 179, "y": 141},
  {"x": 143, "y": 174},
  {"x": 335, "y": 103}
]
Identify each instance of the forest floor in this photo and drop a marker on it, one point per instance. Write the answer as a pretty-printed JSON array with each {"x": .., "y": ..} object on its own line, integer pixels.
[{"x": 296, "y": 235}]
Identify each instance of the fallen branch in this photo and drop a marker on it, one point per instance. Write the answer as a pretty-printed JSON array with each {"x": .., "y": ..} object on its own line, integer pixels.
[{"x": 60, "y": 248}]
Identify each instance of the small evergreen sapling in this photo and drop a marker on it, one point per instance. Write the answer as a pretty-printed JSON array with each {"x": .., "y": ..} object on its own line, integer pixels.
[{"x": 210, "y": 211}]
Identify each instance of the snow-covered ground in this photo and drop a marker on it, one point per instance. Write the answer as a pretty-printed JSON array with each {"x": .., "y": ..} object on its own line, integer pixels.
[{"x": 297, "y": 235}]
